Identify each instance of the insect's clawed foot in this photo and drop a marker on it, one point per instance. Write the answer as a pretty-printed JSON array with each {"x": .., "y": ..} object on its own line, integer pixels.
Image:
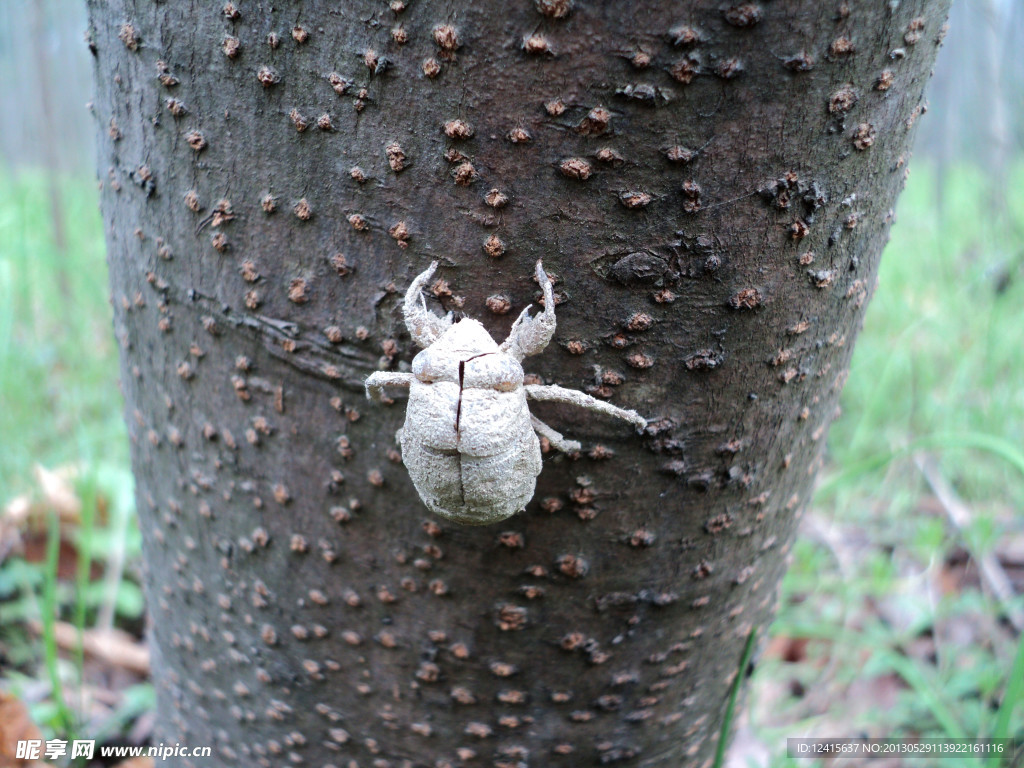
[
  {"x": 530, "y": 335},
  {"x": 424, "y": 326}
]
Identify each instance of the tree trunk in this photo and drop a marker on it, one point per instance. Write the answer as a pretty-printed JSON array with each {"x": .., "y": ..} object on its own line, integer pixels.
[{"x": 712, "y": 186}]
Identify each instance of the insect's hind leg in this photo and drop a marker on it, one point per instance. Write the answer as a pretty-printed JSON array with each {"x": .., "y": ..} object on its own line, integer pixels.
[
  {"x": 376, "y": 382},
  {"x": 558, "y": 442},
  {"x": 573, "y": 397}
]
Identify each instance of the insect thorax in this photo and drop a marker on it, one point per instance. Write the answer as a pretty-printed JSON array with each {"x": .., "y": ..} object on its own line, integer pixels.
[{"x": 466, "y": 355}]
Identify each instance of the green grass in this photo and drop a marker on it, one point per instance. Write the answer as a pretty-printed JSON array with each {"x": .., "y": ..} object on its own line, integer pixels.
[
  {"x": 725, "y": 731},
  {"x": 939, "y": 368},
  {"x": 50, "y": 611},
  {"x": 60, "y": 406},
  {"x": 58, "y": 359},
  {"x": 943, "y": 349}
]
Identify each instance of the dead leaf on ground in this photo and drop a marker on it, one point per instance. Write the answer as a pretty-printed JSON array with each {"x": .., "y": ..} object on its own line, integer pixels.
[
  {"x": 136, "y": 762},
  {"x": 789, "y": 649},
  {"x": 15, "y": 726},
  {"x": 113, "y": 648},
  {"x": 58, "y": 491},
  {"x": 24, "y": 520}
]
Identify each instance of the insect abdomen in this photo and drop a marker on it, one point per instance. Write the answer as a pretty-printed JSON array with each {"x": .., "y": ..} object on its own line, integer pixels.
[
  {"x": 495, "y": 487},
  {"x": 431, "y": 414},
  {"x": 485, "y": 472},
  {"x": 489, "y": 421}
]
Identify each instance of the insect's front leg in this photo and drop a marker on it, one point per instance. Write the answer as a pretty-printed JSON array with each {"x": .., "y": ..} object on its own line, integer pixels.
[
  {"x": 558, "y": 442},
  {"x": 573, "y": 397},
  {"x": 376, "y": 382},
  {"x": 529, "y": 335}
]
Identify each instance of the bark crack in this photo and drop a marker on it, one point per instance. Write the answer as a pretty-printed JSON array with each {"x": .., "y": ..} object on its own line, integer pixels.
[
  {"x": 342, "y": 365},
  {"x": 458, "y": 420}
]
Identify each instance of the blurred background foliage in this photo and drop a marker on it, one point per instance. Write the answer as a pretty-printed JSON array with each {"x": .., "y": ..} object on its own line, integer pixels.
[{"x": 902, "y": 611}]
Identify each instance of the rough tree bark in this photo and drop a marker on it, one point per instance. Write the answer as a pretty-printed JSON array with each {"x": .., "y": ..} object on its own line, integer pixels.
[{"x": 711, "y": 183}]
